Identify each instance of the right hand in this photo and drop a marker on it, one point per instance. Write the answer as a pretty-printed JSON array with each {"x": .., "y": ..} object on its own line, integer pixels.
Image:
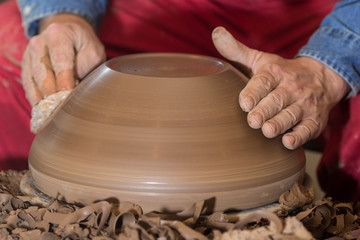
[{"x": 65, "y": 50}]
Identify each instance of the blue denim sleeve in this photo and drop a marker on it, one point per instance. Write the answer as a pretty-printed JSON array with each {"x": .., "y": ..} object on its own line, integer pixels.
[
  {"x": 337, "y": 43},
  {"x": 33, "y": 10}
]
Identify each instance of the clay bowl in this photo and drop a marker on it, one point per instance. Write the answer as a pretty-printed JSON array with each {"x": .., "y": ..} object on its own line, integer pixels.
[{"x": 163, "y": 131}]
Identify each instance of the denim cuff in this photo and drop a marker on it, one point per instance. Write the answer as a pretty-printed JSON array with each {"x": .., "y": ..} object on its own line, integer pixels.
[
  {"x": 34, "y": 10},
  {"x": 337, "y": 49}
]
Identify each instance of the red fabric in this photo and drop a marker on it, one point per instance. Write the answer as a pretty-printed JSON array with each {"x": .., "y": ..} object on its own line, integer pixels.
[
  {"x": 15, "y": 137},
  {"x": 277, "y": 26},
  {"x": 339, "y": 169}
]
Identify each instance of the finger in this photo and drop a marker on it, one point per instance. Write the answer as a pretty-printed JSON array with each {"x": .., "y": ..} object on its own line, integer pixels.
[
  {"x": 268, "y": 107},
  {"x": 42, "y": 71},
  {"x": 62, "y": 57},
  {"x": 232, "y": 49},
  {"x": 89, "y": 58},
  {"x": 260, "y": 85},
  {"x": 283, "y": 121},
  {"x": 31, "y": 91},
  {"x": 303, "y": 132}
]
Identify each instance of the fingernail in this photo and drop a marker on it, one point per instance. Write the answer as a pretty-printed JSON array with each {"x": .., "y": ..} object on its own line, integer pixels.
[{"x": 218, "y": 30}]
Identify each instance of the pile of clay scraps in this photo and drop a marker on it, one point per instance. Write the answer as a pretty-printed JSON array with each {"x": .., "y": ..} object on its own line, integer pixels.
[{"x": 112, "y": 219}]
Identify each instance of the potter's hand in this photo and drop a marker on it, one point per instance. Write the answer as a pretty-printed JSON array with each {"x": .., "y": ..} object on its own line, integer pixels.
[
  {"x": 65, "y": 50},
  {"x": 283, "y": 94}
]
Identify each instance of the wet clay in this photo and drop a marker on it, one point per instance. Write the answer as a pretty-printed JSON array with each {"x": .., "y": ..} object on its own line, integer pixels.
[{"x": 163, "y": 131}]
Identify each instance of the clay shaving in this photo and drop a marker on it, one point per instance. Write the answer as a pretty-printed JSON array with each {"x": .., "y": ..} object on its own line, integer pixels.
[
  {"x": 43, "y": 110},
  {"x": 297, "y": 196},
  {"x": 21, "y": 219}
]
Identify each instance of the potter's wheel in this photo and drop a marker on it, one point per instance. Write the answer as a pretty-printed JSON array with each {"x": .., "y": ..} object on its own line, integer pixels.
[{"x": 163, "y": 131}]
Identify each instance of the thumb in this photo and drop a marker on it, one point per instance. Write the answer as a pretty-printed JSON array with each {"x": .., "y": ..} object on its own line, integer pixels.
[{"x": 233, "y": 50}]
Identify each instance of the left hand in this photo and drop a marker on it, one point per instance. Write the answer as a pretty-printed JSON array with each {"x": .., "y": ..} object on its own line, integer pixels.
[
  {"x": 283, "y": 94},
  {"x": 64, "y": 51}
]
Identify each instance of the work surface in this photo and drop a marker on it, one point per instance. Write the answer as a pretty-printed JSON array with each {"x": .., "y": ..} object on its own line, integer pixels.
[{"x": 21, "y": 219}]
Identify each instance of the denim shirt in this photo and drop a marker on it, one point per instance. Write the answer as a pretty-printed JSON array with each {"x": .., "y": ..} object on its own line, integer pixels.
[
  {"x": 336, "y": 43},
  {"x": 34, "y": 10}
]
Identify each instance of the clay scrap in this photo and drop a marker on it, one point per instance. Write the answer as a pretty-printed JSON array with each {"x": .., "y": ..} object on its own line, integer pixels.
[{"x": 19, "y": 219}]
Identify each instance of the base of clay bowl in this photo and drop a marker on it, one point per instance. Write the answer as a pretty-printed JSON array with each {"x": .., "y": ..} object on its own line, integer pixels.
[
  {"x": 307, "y": 182},
  {"x": 163, "y": 131},
  {"x": 37, "y": 197},
  {"x": 28, "y": 188},
  {"x": 168, "y": 202}
]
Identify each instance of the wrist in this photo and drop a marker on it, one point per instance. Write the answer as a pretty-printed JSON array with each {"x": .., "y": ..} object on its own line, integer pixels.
[
  {"x": 63, "y": 18},
  {"x": 337, "y": 87}
]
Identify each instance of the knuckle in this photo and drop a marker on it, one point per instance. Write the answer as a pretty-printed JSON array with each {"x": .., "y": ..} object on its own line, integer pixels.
[
  {"x": 35, "y": 42},
  {"x": 61, "y": 60},
  {"x": 264, "y": 82},
  {"x": 308, "y": 129},
  {"x": 275, "y": 68},
  {"x": 96, "y": 57},
  {"x": 54, "y": 28},
  {"x": 277, "y": 99},
  {"x": 296, "y": 87},
  {"x": 262, "y": 113},
  {"x": 276, "y": 71},
  {"x": 291, "y": 116},
  {"x": 60, "y": 56},
  {"x": 97, "y": 54}
]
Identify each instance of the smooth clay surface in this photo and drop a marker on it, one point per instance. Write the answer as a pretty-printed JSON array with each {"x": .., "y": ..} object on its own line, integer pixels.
[{"x": 163, "y": 131}]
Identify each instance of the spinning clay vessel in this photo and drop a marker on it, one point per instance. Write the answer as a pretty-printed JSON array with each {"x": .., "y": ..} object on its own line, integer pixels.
[{"x": 163, "y": 131}]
